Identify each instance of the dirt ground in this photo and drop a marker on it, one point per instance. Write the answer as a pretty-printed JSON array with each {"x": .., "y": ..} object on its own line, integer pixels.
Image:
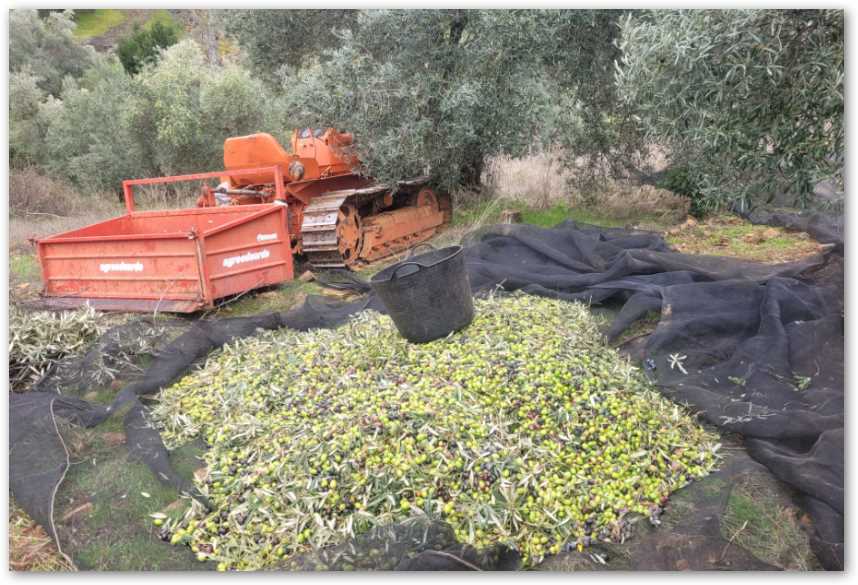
[{"x": 728, "y": 235}]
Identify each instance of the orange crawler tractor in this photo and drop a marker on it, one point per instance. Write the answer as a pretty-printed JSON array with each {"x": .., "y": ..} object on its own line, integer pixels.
[
  {"x": 337, "y": 218},
  {"x": 269, "y": 205}
]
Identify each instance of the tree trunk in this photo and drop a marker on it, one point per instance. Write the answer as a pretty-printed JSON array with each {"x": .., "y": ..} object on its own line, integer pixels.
[
  {"x": 471, "y": 171},
  {"x": 208, "y": 36}
]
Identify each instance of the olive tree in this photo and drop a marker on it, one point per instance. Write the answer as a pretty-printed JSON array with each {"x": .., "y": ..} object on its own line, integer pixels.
[
  {"x": 26, "y": 132},
  {"x": 577, "y": 51},
  {"x": 439, "y": 90},
  {"x": 274, "y": 39},
  {"x": 92, "y": 138},
  {"x": 425, "y": 91},
  {"x": 42, "y": 52},
  {"x": 750, "y": 100},
  {"x": 171, "y": 118},
  {"x": 46, "y": 47},
  {"x": 188, "y": 107}
]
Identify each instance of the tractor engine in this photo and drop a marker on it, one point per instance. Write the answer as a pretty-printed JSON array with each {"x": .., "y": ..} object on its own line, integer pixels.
[{"x": 337, "y": 216}]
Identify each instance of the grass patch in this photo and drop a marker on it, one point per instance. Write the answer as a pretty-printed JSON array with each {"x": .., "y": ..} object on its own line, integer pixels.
[
  {"x": 24, "y": 268},
  {"x": 556, "y": 214},
  {"x": 138, "y": 554},
  {"x": 94, "y": 23},
  {"x": 729, "y": 235},
  {"x": 713, "y": 486},
  {"x": 130, "y": 481},
  {"x": 116, "y": 533},
  {"x": 101, "y": 396},
  {"x": 187, "y": 458},
  {"x": 721, "y": 235},
  {"x": 487, "y": 212},
  {"x": 762, "y": 521},
  {"x": 476, "y": 211},
  {"x": 165, "y": 18}
]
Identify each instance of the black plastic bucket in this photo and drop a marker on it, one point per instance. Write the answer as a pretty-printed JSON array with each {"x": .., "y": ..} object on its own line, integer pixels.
[{"x": 428, "y": 296}]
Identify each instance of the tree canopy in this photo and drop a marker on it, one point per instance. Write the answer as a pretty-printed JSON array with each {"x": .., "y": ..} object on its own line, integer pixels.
[
  {"x": 749, "y": 103},
  {"x": 274, "y": 39},
  {"x": 171, "y": 118},
  {"x": 750, "y": 100},
  {"x": 46, "y": 47},
  {"x": 439, "y": 90}
]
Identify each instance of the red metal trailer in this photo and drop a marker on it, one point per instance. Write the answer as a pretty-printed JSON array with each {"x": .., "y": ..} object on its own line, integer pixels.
[{"x": 179, "y": 260}]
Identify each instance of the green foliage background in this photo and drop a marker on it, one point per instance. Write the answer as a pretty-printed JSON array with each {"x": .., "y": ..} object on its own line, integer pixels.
[
  {"x": 46, "y": 47},
  {"x": 750, "y": 100},
  {"x": 145, "y": 43},
  {"x": 747, "y": 103}
]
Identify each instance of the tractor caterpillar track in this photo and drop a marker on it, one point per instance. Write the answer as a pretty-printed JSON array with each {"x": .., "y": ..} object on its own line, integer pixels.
[{"x": 347, "y": 228}]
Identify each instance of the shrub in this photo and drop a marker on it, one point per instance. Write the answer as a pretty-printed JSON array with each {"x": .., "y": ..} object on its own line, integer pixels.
[
  {"x": 42, "y": 52},
  {"x": 679, "y": 180},
  {"x": 171, "y": 118},
  {"x": 144, "y": 44},
  {"x": 188, "y": 108}
]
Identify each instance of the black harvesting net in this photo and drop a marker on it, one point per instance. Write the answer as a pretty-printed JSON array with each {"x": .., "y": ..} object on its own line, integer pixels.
[{"x": 756, "y": 349}]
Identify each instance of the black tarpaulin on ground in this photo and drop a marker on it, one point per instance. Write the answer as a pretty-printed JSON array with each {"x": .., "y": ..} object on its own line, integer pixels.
[{"x": 757, "y": 349}]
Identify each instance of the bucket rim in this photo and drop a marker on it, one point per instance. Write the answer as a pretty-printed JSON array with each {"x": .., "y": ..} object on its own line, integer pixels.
[{"x": 386, "y": 274}]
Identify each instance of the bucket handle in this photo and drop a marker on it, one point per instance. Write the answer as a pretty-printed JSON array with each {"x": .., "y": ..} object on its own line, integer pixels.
[
  {"x": 411, "y": 250},
  {"x": 395, "y": 270}
]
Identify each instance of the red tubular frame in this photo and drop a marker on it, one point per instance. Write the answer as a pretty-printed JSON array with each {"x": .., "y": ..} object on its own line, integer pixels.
[
  {"x": 128, "y": 191},
  {"x": 69, "y": 259}
]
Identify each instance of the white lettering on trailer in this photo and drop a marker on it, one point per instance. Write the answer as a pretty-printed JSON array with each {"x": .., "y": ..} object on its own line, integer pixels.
[
  {"x": 121, "y": 267},
  {"x": 265, "y": 237},
  {"x": 248, "y": 257}
]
